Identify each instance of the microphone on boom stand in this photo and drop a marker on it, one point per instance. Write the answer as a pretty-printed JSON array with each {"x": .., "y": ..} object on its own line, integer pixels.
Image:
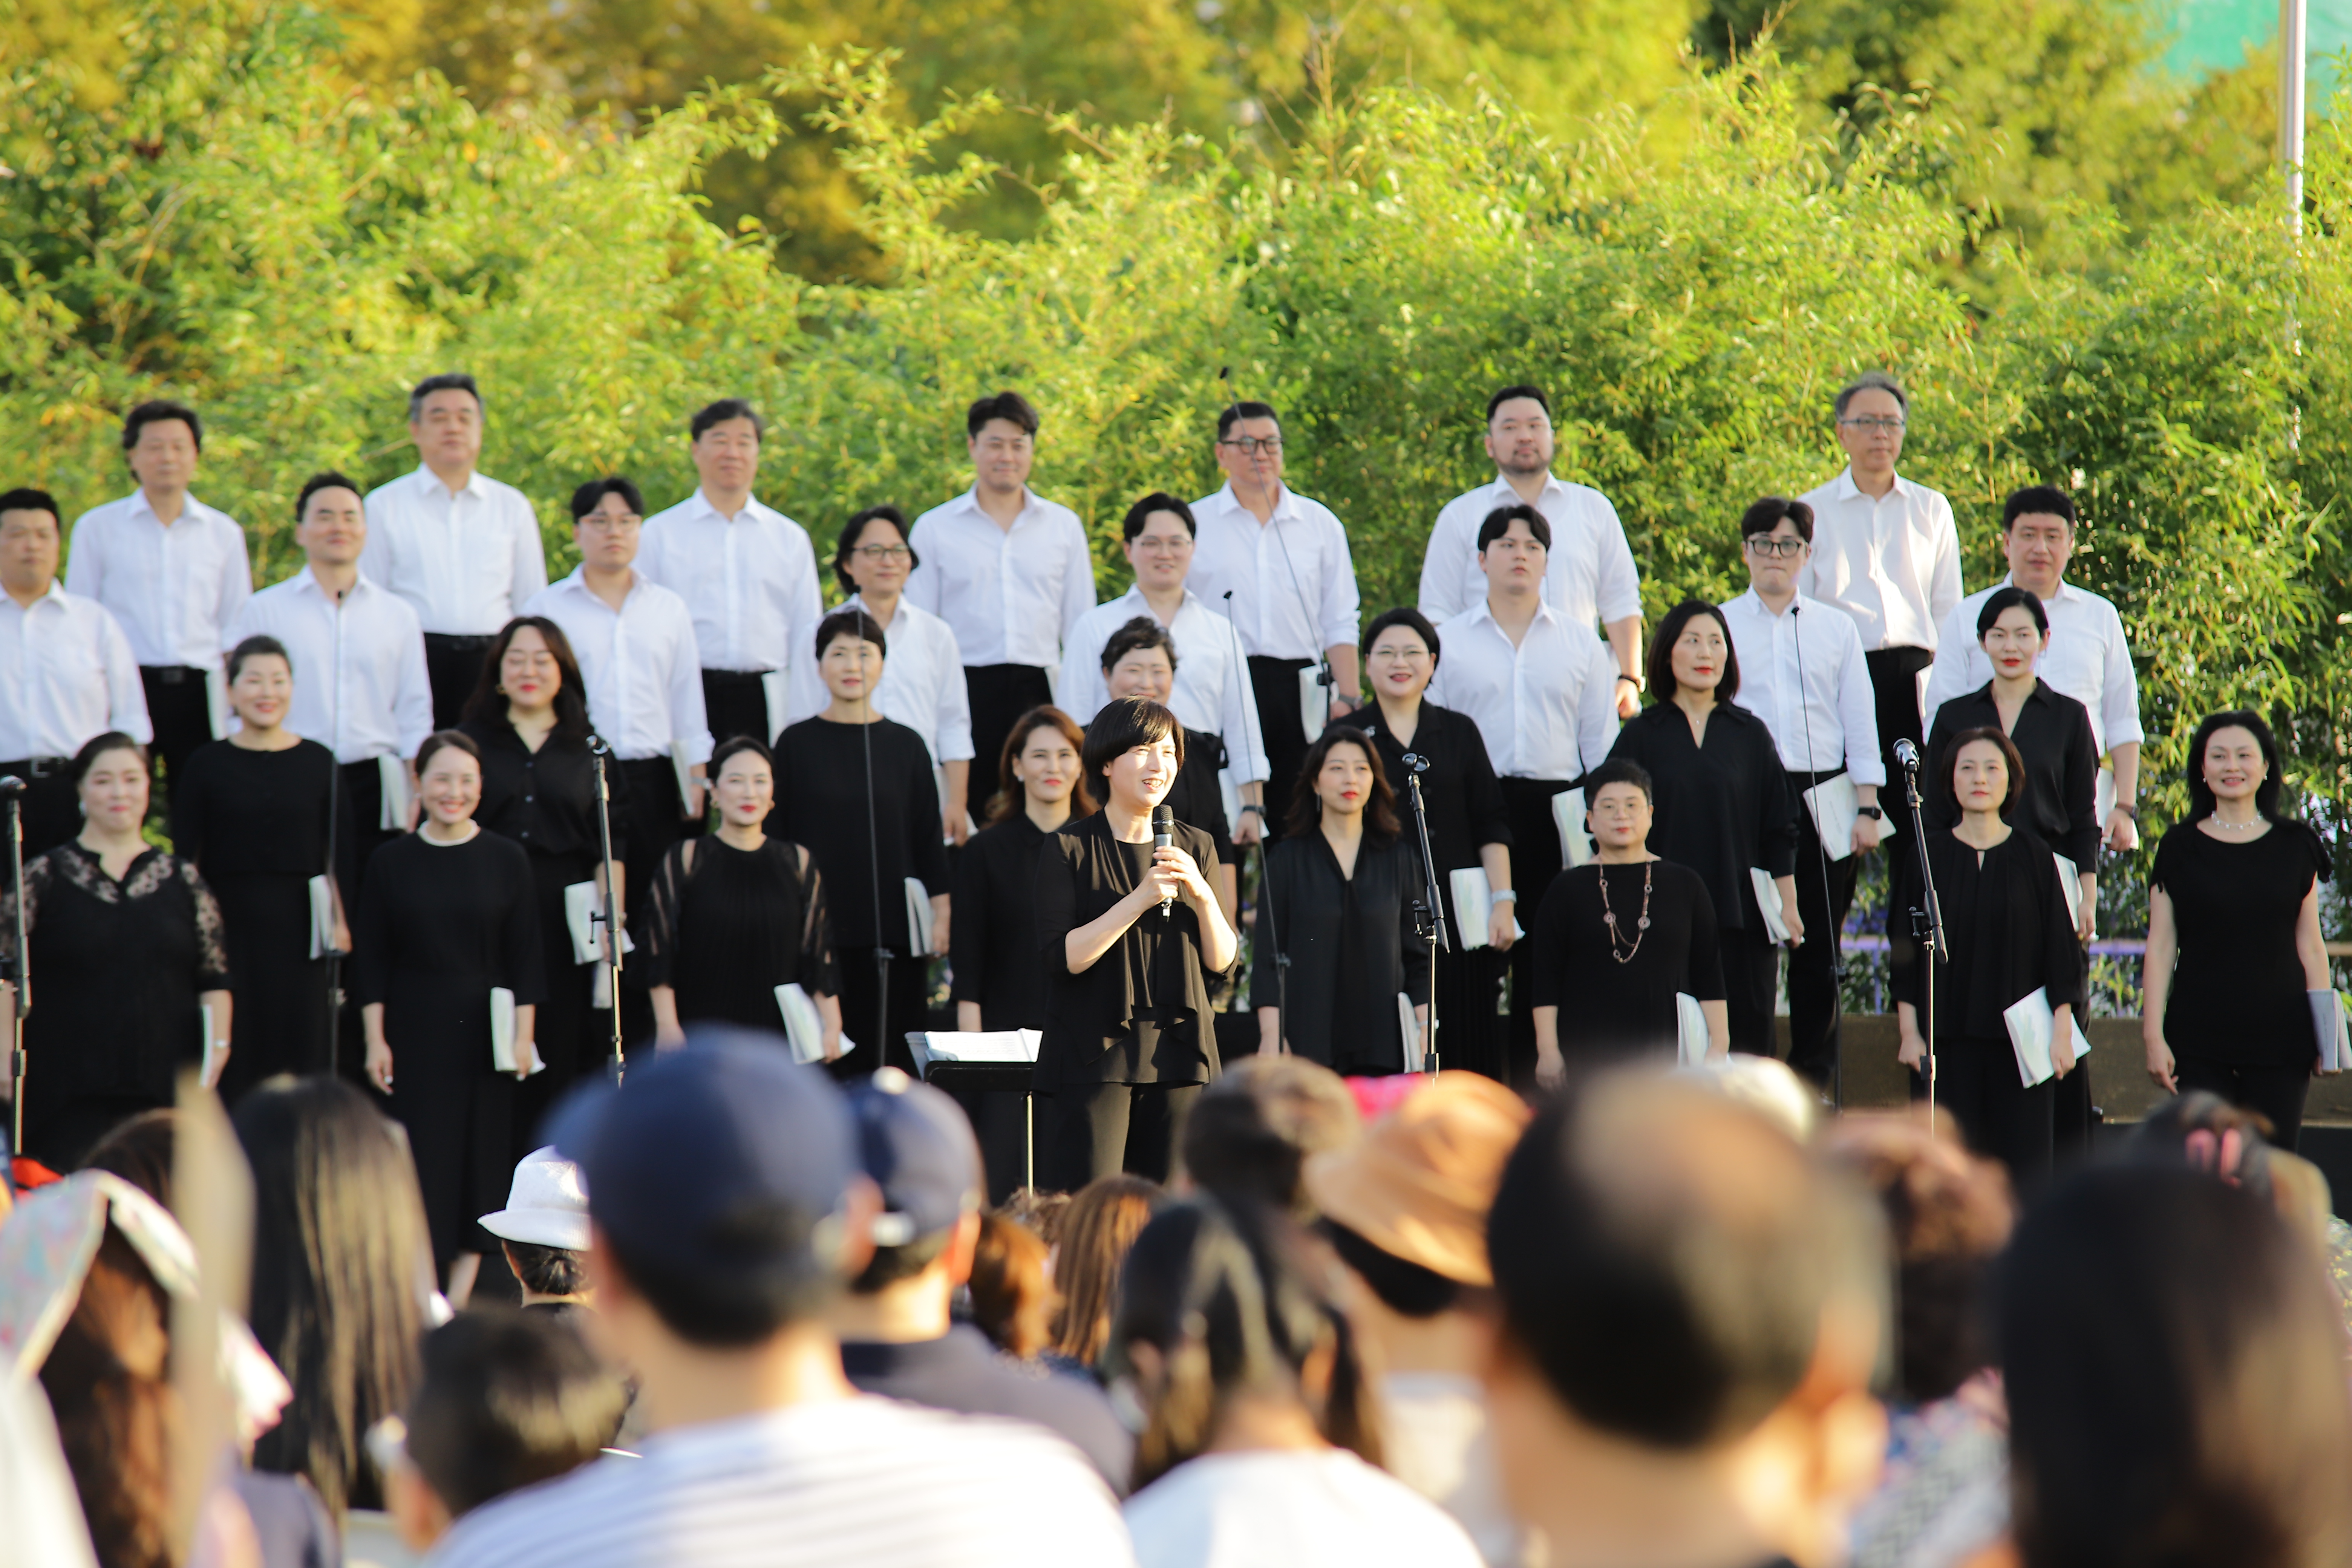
[
  {"x": 1927, "y": 924},
  {"x": 12, "y": 790}
]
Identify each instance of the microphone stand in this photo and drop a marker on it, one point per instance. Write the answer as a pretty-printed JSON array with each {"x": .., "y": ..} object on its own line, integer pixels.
[
  {"x": 14, "y": 789},
  {"x": 605, "y": 918},
  {"x": 882, "y": 955},
  {"x": 1264, "y": 871},
  {"x": 1927, "y": 924},
  {"x": 1822, "y": 857},
  {"x": 334, "y": 814},
  {"x": 1428, "y": 914}
]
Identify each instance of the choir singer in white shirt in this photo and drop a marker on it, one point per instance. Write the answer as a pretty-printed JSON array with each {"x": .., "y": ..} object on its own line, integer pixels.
[
  {"x": 1281, "y": 562},
  {"x": 363, "y": 692},
  {"x": 173, "y": 573},
  {"x": 746, "y": 570},
  {"x": 1801, "y": 670},
  {"x": 461, "y": 548},
  {"x": 1009, "y": 571},
  {"x": 67, "y": 676},
  {"x": 1588, "y": 573},
  {"x": 1542, "y": 691}
]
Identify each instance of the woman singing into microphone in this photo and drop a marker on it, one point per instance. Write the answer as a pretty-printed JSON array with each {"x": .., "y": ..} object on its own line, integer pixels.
[{"x": 1129, "y": 933}]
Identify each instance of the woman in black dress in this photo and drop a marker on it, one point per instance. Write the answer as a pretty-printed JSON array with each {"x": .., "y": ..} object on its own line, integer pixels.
[
  {"x": 448, "y": 913},
  {"x": 1129, "y": 934},
  {"x": 251, "y": 813},
  {"x": 529, "y": 715},
  {"x": 1723, "y": 802},
  {"x": 127, "y": 947},
  {"x": 1619, "y": 939},
  {"x": 1138, "y": 659},
  {"x": 737, "y": 914},
  {"x": 2234, "y": 947},
  {"x": 857, "y": 790},
  {"x": 1469, "y": 826},
  {"x": 2005, "y": 925},
  {"x": 1338, "y": 902},
  {"x": 999, "y": 982}
]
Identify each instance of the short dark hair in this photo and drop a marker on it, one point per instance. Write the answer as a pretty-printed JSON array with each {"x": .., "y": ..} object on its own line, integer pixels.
[
  {"x": 1870, "y": 381},
  {"x": 258, "y": 648},
  {"x": 1403, "y": 616},
  {"x": 23, "y": 497},
  {"x": 1404, "y": 1287},
  {"x": 2036, "y": 500},
  {"x": 854, "y": 531},
  {"x": 591, "y": 496},
  {"x": 489, "y": 704},
  {"x": 1135, "y": 636},
  {"x": 734, "y": 746},
  {"x": 508, "y": 1399},
  {"x": 2202, "y": 801},
  {"x": 1498, "y": 523},
  {"x": 1124, "y": 723},
  {"x": 1516, "y": 390},
  {"x": 1233, "y": 414},
  {"x": 1765, "y": 515},
  {"x": 1620, "y": 770},
  {"x": 328, "y": 480},
  {"x": 444, "y": 740},
  {"x": 1250, "y": 1132},
  {"x": 718, "y": 412},
  {"x": 1380, "y": 823},
  {"x": 448, "y": 381},
  {"x": 1948, "y": 759},
  {"x": 1009, "y": 406},
  {"x": 1131, "y": 527},
  {"x": 548, "y": 1271},
  {"x": 854, "y": 624},
  {"x": 141, "y": 1151},
  {"x": 1662, "y": 651},
  {"x": 2009, "y": 596},
  {"x": 158, "y": 411},
  {"x": 97, "y": 746},
  {"x": 889, "y": 1265}
]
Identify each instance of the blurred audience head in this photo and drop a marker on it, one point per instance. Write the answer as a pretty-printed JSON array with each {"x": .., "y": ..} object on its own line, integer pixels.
[
  {"x": 1042, "y": 1213},
  {"x": 2173, "y": 1363},
  {"x": 1252, "y": 1131},
  {"x": 2205, "y": 1133},
  {"x": 916, "y": 1146},
  {"x": 1097, "y": 1229},
  {"x": 1012, "y": 1299},
  {"x": 544, "y": 1228},
  {"x": 1765, "y": 1086},
  {"x": 139, "y": 1150}
]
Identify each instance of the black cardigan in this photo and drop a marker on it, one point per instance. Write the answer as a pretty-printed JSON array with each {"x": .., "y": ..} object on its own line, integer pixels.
[
  {"x": 2005, "y": 922},
  {"x": 2058, "y": 797},
  {"x": 993, "y": 938},
  {"x": 1465, "y": 800},
  {"x": 1340, "y": 993},
  {"x": 1721, "y": 808}
]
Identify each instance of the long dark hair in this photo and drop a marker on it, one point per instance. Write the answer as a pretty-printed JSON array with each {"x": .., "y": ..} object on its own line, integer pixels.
[
  {"x": 1098, "y": 1230},
  {"x": 1661, "y": 669},
  {"x": 1381, "y": 822},
  {"x": 108, "y": 1380},
  {"x": 489, "y": 703},
  {"x": 342, "y": 1261},
  {"x": 2201, "y": 802},
  {"x": 1008, "y": 796}
]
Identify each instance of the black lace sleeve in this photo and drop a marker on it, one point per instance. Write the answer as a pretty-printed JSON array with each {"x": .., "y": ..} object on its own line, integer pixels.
[
  {"x": 36, "y": 880},
  {"x": 212, "y": 943},
  {"x": 665, "y": 900},
  {"x": 820, "y": 973}
]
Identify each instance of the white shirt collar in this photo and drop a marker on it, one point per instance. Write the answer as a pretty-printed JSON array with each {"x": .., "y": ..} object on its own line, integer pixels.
[
  {"x": 752, "y": 511},
  {"x": 1285, "y": 504},
  {"x": 1847, "y": 490},
  {"x": 898, "y": 611},
  {"x": 1484, "y": 609},
  {"x": 57, "y": 594},
  {"x": 1502, "y": 487},
  {"x": 310, "y": 584},
  {"x": 970, "y": 501},
  {"x": 1754, "y": 602},
  {"x": 428, "y": 480},
  {"x": 2064, "y": 588},
  {"x": 578, "y": 581}
]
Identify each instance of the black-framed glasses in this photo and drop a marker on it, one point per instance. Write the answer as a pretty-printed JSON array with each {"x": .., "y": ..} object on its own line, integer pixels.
[
  {"x": 1254, "y": 446},
  {"x": 1779, "y": 549},
  {"x": 1882, "y": 424},
  {"x": 874, "y": 554}
]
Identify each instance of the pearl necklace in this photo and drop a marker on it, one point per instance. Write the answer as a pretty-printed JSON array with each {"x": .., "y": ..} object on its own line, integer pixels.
[{"x": 2237, "y": 826}]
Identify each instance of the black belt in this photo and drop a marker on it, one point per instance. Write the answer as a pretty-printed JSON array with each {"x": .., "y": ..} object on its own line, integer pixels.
[
  {"x": 35, "y": 767},
  {"x": 456, "y": 643},
  {"x": 736, "y": 677},
  {"x": 171, "y": 674},
  {"x": 1804, "y": 780}
]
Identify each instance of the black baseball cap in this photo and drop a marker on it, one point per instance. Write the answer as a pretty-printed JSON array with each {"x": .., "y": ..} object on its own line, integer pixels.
[{"x": 917, "y": 1145}]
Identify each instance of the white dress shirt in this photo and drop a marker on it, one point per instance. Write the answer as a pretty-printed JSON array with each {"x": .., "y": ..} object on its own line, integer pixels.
[
  {"x": 171, "y": 589},
  {"x": 1547, "y": 708},
  {"x": 466, "y": 561},
  {"x": 1292, "y": 578},
  {"x": 922, "y": 685},
  {"x": 1009, "y": 595},
  {"x": 1892, "y": 564},
  {"x": 2088, "y": 659},
  {"x": 1826, "y": 719},
  {"x": 378, "y": 703},
  {"x": 66, "y": 676},
  {"x": 750, "y": 581},
  {"x": 1588, "y": 573},
  {"x": 644, "y": 677},
  {"x": 1211, "y": 691}
]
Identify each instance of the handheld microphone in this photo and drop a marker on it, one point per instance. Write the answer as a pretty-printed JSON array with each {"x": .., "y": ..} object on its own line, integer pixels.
[
  {"x": 1907, "y": 755},
  {"x": 1416, "y": 761},
  {"x": 597, "y": 745},
  {"x": 10, "y": 786},
  {"x": 1163, "y": 836}
]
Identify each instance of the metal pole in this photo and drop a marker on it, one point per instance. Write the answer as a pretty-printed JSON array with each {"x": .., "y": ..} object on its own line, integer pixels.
[
  {"x": 1429, "y": 913},
  {"x": 1927, "y": 924},
  {"x": 334, "y": 814},
  {"x": 16, "y": 1063},
  {"x": 607, "y": 916}
]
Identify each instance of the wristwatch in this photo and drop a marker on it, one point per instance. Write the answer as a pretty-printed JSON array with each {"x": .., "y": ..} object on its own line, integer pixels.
[
  {"x": 1635, "y": 681},
  {"x": 1250, "y": 805},
  {"x": 1871, "y": 812},
  {"x": 2130, "y": 811},
  {"x": 1503, "y": 895}
]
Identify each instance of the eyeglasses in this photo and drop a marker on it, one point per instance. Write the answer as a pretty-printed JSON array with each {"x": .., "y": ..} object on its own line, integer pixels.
[
  {"x": 1779, "y": 549},
  {"x": 1399, "y": 654},
  {"x": 874, "y": 554},
  {"x": 1254, "y": 446},
  {"x": 1874, "y": 422}
]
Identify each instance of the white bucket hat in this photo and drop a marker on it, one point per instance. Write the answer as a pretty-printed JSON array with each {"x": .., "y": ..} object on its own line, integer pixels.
[{"x": 547, "y": 1205}]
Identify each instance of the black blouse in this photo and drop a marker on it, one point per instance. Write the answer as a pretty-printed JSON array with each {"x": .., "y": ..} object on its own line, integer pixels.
[
  {"x": 1458, "y": 788},
  {"x": 1606, "y": 1008},
  {"x": 1351, "y": 946},
  {"x": 2238, "y": 988},
  {"x": 242, "y": 813},
  {"x": 995, "y": 934},
  {"x": 546, "y": 800},
  {"x": 1721, "y": 808},
  {"x": 822, "y": 801},
  {"x": 731, "y": 925},
  {"x": 2062, "y": 768},
  {"x": 2005, "y": 921},
  {"x": 1140, "y": 1013}
]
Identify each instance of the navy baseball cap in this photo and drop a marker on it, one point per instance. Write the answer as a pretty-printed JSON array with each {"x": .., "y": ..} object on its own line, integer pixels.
[
  {"x": 725, "y": 1158},
  {"x": 918, "y": 1146}
]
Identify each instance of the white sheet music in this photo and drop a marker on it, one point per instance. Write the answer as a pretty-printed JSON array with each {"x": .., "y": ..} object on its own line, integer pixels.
[
  {"x": 322, "y": 918},
  {"x": 1567, "y": 819},
  {"x": 804, "y": 1025},
  {"x": 1690, "y": 1029},
  {"x": 2032, "y": 1030},
  {"x": 918, "y": 918},
  {"x": 1834, "y": 806},
  {"x": 391, "y": 775},
  {"x": 581, "y": 904},
  {"x": 2070, "y": 884},
  {"x": 1314, "y": 701},
  {"x": 2328, "y": 1026},
  {"x": 1473, "y": 905},
  {"x": 1767, "y": 901},
  {"x": 1416, "y": 1056}
]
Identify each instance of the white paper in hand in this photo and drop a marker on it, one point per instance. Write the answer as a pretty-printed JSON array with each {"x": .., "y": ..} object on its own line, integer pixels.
[
  {"x": 684, "y": 770},
  {"x": 1409, "y": 1031},
  {"x": 392, "y": 776},
  {"x": 214, "y": 1046},
  {"x": 1690, "y": 1029},
  {"x": 2070, "y": 887},
  {"x": 503, "y": 1032},
  {"x": 776, "y": 697},
  {"x": 804, "y": 1025},
  {"x": 582, "y": 906},
  {"x": 1834, "y": 806},
  {"x": 2328, "y": 1026},
  {"x": 1768, "y": 901},
  {"x": 1314, "y": 701},
  {"x": 1473, "y": 906},
  {"x": 2032, "y": 1030},
  {"x": 322, "y": 918},
  {"x": 1568, "y": 820},
  {"x": 918, "y": 918}
]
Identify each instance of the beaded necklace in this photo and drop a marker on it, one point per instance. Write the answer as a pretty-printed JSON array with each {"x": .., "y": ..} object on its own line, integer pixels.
[{"x": 1641, "y": 925}]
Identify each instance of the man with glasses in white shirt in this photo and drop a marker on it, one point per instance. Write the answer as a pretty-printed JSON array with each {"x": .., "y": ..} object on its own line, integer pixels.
[
  {"x": 360, "y": 686},
  {"x": 1802, "y": 671},
  {"x": 1541, "y": 689},
  {"x": 66, "y": 672},
  {"x": 173, "y": 573},
  {"x": 461, "y": 548},
  {"x": 1009, "y": 571},
  {"x": 1885, "y": 552},
  {"x": 747, "y": 572},
  {"x": 1590, "y": 575},
  {"x": 1281, "y": 562}
]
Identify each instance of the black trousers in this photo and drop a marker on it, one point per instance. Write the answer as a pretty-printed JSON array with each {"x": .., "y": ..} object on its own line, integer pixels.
[
  {"x": 1474, "y": 1031},
  {"x": 1275, "y": 683},
  {"x": 181, "y": 708},
  {"x": 1751, "y": 963},
  {"x": 2071, "y": 1124},
  {"x": 880, "y": 1041},
  {"x": 735, "y": 702},
  {"x": 51, "y": 810},
  {"x": 1000, "y": 694},
  {"x": 453, "y": 667},
  {"x": 1977, "y": 1084},
  {"x": 1823, "y": 901},
  {"x": 363, "y": 782},
  {"x": 1535, "y": 861},
  {"x": 1895, "y": 681},
  {"x": 1102, "y": 1129},
  {"x": 2276, "y": 1092}
]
